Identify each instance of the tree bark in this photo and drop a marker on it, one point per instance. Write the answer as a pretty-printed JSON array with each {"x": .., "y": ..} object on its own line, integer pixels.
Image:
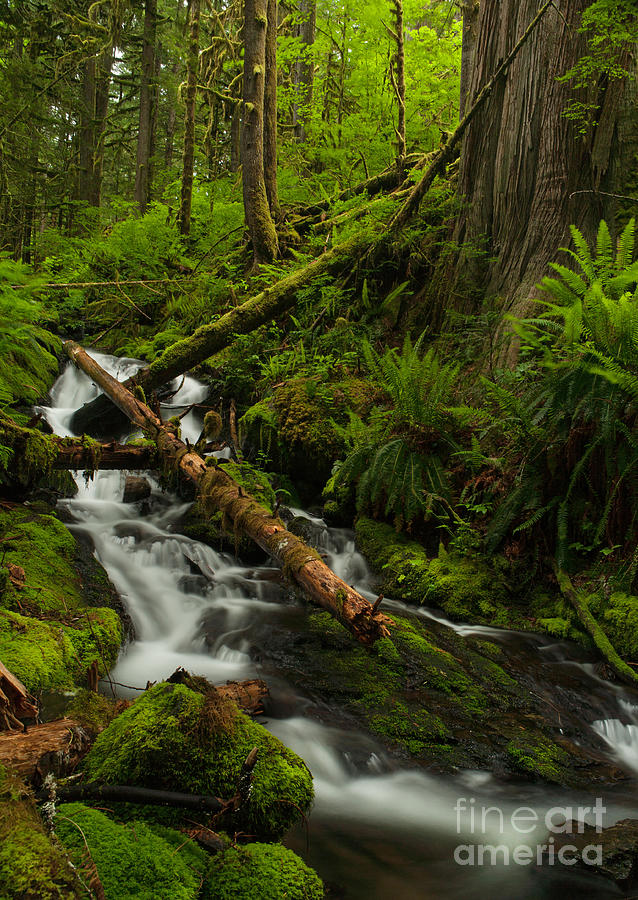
[
  {"x": 55, "y": 747},
  {"x": 15, "y": 701},
  {"x": 210, "y": 339},
  {"x": 305, "y": 68},
  {"x": 270, "y": 113},
  {"x": 259, "y": 221},
  {"x": 144, "y": 135},
  {"x": 399, "y": 80},
  {"x": 189, "y": 119},
  {"x": 522, "y": 161},
  {"x": 218, "y": 492},
  {"x": 78, "y": 456}
]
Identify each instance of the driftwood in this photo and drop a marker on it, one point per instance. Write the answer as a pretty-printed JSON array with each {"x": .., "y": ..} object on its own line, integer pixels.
[
  {"x": 55, "y": 747},
  {"x": 78, "y": 456},
  {"x": 15, "y": 701},
  {"x": 210, "y": 339},
  {"x": 591, "y": 626},
  {"x": 248, "y": 695},
  {"x": 219, "y": 492}
]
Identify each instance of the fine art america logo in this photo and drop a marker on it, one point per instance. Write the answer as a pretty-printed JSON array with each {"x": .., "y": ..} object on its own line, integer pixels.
[{"x": 562, "y": 824}]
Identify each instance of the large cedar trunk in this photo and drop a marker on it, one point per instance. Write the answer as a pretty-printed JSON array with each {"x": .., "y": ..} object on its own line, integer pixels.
[
  {"x": 270, "y": 113},
  {"x": 189, "y": 119},
  {"x": 257, "y": 210},
  {"x": 523, "y": 161}
]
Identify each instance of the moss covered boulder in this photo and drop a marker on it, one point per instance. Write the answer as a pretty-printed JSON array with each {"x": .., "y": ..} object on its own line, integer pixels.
[
  {"x": 52, "y": 623},
  {"x": 261, "y": 872},
  {"x": 135, "y": 859},
  {"x": 179, "y": 739},
  {"x": 32, "y": 867}
]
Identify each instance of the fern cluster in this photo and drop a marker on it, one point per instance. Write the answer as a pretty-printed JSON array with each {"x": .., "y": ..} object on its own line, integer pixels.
[{"x": 576, "y": 424}]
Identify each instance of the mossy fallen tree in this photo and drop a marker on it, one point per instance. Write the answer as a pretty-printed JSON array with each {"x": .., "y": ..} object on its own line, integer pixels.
[
  {"x": 90, "y": 456},
  {"x": 55, "y": 747},
  {"x": 220, "y": 493},
  {"x": 210, "y": 339},
  {"x": 600, "y": 639}
]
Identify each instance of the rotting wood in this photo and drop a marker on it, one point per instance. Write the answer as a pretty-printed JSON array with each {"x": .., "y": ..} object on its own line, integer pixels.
[
  {"x": 80, "y": 456},
  {"x": 54, "y": 747},
  {"x": 15, "y": 701},
  {"x": 219, "y": 492}
]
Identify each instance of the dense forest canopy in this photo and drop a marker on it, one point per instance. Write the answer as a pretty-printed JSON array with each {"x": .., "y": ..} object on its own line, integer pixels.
[{"x": 334, "y": 266}]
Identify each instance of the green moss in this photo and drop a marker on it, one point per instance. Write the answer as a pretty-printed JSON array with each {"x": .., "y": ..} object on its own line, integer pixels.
[
  {"x": 261, "y": 872},
  {"x": 93, "y": 711},
  {"x": 28, "y": 366},
  {"x": 32, "y": 453},
  {"x": 162, "y": 741},
  {"x": 540, "y": 757},
  {"x": 618, "y": 617},
  {"x": 31, "y": 866},
  {"x": 132, "y": 860}
]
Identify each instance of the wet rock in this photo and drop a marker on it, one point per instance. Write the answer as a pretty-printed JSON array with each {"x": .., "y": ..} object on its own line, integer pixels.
[
  {"x": 136, "y": 488},
  {"x": 613, "y": 852}
]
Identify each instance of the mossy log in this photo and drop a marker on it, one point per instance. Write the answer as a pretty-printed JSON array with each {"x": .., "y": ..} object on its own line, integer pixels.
[
  {"x": 210, "y": 339},
  {"x": 219, "y": 492},
  {"x": 600, "y": 639},
  {"x": 15, "y": 701},
  {"x": 78, "y": 455},
  {"x": 55, "y": 747},
  {"x": 125, "y": 793}
]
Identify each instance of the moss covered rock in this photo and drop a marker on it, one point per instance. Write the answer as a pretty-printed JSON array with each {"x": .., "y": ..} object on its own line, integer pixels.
[
  {"x": 31, "y": 866},
  {"x": 261, "y": 872},
  {"x": 183, "y": 740},
  {"x": 134, "y": 859},
  {"x": 51, "y": 624}
]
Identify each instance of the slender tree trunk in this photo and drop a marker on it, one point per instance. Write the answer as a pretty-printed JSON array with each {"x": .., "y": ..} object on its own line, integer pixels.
[
  {"x": 399, "y": 80},
  {"x": 270, "y": 113},
  {"x": 171, "y": 121},
  {"x": 523, "y": 163},
  {"x": 189, "y": 118},
  {"x": 305, "y": 68},
  {"x": 102, "y": 89},
  {"x": 142, "y": 163},
  {"x": 87, "y": 114},
  {"x": 235, "y": 139},
  {"x": 257, "y": 211}
]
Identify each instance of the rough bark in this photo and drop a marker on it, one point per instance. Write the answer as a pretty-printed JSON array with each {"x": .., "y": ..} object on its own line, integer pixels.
[
  {"x": 15, "y": 701},
  {"x": 522, "y": 160},
  {"x": 270, "y": 113},
  {"x": 259, "y": 221},
  {"x": 210, "y": 339},
  {"x": 470, "y": 19},
  {"x": 189, "y": 118},
  {"x": 220, "y": 493},
  {"x": 305, "y": 68},
  {"x": 78, "y": 456},
  {"x": 55, "y": 747},
  {"x": 144, "y": 135}
]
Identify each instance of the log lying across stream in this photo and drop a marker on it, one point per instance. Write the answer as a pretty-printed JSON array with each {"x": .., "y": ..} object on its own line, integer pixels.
[{"x": 219, "y": 492}]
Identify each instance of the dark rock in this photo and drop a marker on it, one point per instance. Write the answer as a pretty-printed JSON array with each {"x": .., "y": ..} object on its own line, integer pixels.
[
  {"x": 136, "y": 488},
  {"x": 618, "y": 853}
]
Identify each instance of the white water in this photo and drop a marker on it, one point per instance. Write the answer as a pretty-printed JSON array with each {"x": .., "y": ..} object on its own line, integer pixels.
[{"x": 171, "y": 585}]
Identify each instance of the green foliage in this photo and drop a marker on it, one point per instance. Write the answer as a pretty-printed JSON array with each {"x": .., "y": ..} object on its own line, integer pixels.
[
  {"x": 261, "y": 872},
  {"x": 396, "y": 459},
  {"x": 132, "y": 859},
  {"x": 575, "y": 423}
]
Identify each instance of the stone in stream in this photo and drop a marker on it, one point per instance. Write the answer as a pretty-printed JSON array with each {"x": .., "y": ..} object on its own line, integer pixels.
[
  {"x": 611, "y": 852},
  {"x": 136, "y": 488}
]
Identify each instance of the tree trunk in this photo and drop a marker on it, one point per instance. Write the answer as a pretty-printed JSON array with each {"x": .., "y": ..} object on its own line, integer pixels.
[
  {"x": 80, "y": 457},
  {"x": 102, "y": 90},
  {"x": 256, "y": 208},
  {"x": 219, "y": 493},
  {"x": 270, "y": 113},
  {"x": 235, "y": 139},
  {"x": 15, "y": 701},
  {"x": 55, "y": 747},
  {"x": 399, "y": 80},
  {"x": 305, "y": 68},
  {"x": 523, "y": 162},
  {"x": 144, "y": 134},
  {"x": 87, "y": 114},
  {"x": 470, "y": 19},
  {"x": 189, "y": 119}
]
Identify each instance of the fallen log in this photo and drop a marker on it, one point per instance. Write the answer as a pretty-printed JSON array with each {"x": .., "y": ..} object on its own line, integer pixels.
[
  {"x": 78, "y": 456},
  {"x": 54, "y": 747},
  {"x": 210, "y": 339},
  {"x": 219, "y": 492},
  {"x": 124, "y": 793},
  {"x": 591, "y": 626},
  {"x": 15, "y": 701}
]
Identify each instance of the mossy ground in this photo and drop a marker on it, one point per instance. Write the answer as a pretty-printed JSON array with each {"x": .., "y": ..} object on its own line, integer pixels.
[
  {"x": 261, "y": 872},
  {"x": 171, "y": 738},
  {"x": 51, "y": 628},
  {"x": 133, "y": 859},
  {"x": 31, "y": 866}
]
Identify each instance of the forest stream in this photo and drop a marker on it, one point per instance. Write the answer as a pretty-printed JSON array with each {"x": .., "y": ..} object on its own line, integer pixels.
[{"x": 379, "y": 828}]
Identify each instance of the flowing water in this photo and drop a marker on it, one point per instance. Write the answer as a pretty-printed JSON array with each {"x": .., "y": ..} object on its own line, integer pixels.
[{"x": 377, "y": 831}]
